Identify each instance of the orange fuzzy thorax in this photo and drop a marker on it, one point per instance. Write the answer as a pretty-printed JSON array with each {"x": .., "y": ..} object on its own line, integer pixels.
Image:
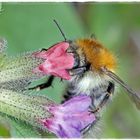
[{"x": 96, "y": 54}]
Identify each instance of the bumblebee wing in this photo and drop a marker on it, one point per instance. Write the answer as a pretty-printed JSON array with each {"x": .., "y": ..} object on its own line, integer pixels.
[{"x": 135, "y": 97}]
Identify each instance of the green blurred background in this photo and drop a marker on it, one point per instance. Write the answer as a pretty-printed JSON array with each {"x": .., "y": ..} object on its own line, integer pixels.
[{"x": 29, "y": 26}]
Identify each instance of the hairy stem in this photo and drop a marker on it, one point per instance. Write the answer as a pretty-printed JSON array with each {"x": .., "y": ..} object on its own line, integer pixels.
[{"x": 28, "y": 108}]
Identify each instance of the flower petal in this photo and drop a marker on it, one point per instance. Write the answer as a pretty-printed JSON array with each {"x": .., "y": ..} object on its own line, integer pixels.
[
  {"x": 78, "y": 103},
  {"x": 57, "y": 61},
  {"x": 70, "y": 118},
  {"x": 54, "y": 51}
]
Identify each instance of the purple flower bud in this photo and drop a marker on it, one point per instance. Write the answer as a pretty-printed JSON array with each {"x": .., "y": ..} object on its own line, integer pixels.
[{"x": 69, "y": 118}]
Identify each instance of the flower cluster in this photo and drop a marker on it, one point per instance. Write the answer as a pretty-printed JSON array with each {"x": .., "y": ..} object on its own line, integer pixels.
[{"x": 65, "y": 120}]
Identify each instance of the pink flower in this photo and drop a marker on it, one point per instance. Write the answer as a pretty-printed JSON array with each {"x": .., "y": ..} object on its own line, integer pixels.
[
  {"x": 56, "y": 61},
  {"x": 69, "y": 118}
]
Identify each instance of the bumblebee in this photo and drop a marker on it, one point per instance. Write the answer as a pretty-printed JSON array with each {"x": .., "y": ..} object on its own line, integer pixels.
[{"x": 93, "y": 74}]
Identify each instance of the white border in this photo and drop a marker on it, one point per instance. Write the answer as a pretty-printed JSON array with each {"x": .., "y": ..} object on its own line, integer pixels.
[{"x": 69, "y": 0}]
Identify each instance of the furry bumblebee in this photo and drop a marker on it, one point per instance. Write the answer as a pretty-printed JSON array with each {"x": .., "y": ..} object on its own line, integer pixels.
[{"x": 93, "y": 74}]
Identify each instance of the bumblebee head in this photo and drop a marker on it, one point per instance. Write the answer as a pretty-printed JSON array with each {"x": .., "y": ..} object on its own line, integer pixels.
[{"x": 96, "y": 55}]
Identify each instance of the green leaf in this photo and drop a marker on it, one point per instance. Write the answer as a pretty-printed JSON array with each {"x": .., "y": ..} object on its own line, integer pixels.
[
  {"x": 22, "y": 130},
  {"x": 18, "y": 129},
  {"x": 4, "y": 131}
]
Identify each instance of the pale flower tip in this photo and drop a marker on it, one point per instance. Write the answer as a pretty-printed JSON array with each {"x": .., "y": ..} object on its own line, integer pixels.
[
  {"x": 68, "y": 119},
  {"x": 57, "y": 61},
  {"x": 3, "y": 44},
  {"x": 78, "y": 103}
]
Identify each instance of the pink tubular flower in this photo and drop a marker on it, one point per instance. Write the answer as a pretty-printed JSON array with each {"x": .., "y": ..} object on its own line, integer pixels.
[
  {"x": 56, "y": 61},
  {"x": 69, "y": 118}
]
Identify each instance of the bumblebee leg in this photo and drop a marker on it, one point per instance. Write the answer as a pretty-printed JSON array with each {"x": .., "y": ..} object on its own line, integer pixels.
[
  {"x": 87, "y": 128},
  {"x": 43, "y": 85},
  {"x": 110, "y": 90},
  {"x": 43, "y": 49},
  {"x": 77, "y": 71}
]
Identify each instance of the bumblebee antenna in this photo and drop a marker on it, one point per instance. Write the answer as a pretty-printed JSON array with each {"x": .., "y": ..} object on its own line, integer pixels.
[
  {"x": 93, "y": 36},
  {"x": 60, "y": 29}
]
